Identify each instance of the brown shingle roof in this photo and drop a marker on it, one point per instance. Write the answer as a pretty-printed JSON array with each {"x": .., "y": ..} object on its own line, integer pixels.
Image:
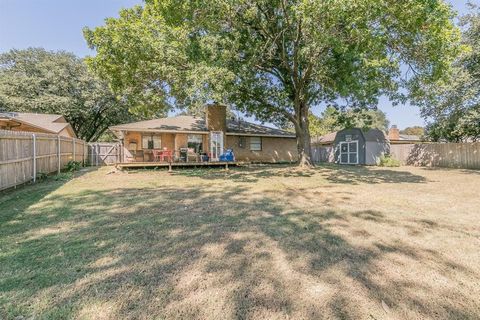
[
  {"x": 178, "y": 123},
  {"x": 325, "y": 139},
  {"x": 53, "y": 123},
  {"x": 197, "y": 124}
]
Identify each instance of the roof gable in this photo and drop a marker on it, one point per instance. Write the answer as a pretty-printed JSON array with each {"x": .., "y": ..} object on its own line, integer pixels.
[{"x": 53, "y": 123}]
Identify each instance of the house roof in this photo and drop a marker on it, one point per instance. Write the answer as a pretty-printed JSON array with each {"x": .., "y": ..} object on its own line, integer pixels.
[
  {"x": 325, "y": 139},
  {"x": 53, "y": 123},
  {"x": 409, "y": 137},
  {"x": 198, "y": 124}
]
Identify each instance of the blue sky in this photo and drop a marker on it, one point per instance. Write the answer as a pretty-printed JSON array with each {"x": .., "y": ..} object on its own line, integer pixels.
[{"x": 57, "y": 25}]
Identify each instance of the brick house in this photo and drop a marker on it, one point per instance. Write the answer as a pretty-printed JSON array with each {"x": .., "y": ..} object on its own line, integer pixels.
[{"x": 210, "y": 135}]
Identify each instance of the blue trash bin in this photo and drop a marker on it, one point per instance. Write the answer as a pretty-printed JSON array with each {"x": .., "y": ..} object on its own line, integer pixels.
[{"x": 228, "y": 156}]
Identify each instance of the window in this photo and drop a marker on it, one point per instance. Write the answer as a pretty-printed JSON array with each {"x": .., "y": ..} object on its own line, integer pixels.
[
  {"x": 255, "y": 143},
  {"x": 151, "y": 142},
  {"x": 195, "y": 141},
  {"x": 241, "y": 142}
]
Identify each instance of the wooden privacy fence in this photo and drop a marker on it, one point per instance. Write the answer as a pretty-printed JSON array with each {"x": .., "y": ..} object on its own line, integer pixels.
[
  {"x": 322, "y": 154},
  {"x": 104, "y": 153},
  {"x": 454, "y": 155},
  {"x": 24, "y": 155}
]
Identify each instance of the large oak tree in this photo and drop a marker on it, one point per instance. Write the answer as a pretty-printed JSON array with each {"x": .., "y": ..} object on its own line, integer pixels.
[
  {"x": 452, "y": 106},
  {"x": 274, "y": 59},
  {"x": 41, "y": 81}
]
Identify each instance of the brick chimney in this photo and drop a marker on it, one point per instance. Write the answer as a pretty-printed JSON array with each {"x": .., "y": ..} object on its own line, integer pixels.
[
  {"x": 394, "y": 133},
  {"x": 216, "y": 117}
]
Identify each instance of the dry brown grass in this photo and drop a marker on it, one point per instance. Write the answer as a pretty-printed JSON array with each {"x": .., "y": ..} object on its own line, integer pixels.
[{"x": 257, "y": 243}]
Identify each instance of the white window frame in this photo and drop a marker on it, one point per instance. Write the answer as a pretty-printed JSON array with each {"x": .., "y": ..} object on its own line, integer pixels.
[
  {"x": 152, "y": 137},
  {"x": 216, "y": 137},
  {"x": 260, "y": 143},
  {"x": 348, "y": 152}
]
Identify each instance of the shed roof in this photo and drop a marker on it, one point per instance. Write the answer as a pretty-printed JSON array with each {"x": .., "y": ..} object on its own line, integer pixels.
[{"x": 369, "y": 135}]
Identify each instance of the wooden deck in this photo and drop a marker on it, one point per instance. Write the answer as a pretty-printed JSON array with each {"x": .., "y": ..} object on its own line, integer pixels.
[{"x": 172, "y": 165}]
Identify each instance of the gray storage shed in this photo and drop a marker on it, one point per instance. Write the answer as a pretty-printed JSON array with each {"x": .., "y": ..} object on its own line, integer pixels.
[{"x": 354, "y": 146}]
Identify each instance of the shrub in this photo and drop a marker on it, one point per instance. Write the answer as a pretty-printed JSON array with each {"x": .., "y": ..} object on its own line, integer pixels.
[
  {"x": 388, "y": 161},
  {"x": 42, "y": 176},
  {"x": 64, "y": 176},
  {"x": 73, "y": 166}
]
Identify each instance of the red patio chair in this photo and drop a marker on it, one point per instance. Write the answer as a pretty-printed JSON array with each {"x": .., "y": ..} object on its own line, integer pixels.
[
  {"x": 157, "y": 155},
  {"x": 166, "y": 154}
]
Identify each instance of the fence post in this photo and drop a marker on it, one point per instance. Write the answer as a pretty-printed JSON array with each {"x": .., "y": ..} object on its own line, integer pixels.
[
  {"x": 59, "y": 156},
  {"x": 97, "y": 151},
  {"x": 34, "y": 156},
  {"x": 90, "y": 149},
  {"x": 73, "y": 152},
  {"x": 83, "y": 154}
]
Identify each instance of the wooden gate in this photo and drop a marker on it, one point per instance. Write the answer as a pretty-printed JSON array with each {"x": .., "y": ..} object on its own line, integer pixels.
[{"x": 104, "y": 153}]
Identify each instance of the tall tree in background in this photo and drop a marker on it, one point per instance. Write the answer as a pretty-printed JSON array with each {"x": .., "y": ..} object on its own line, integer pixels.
[
  {"x": 333, "y": 120},
  {"x": 274, "y": 59},
  {"x": 415, "y": 131},
  {"x": 36, "y": 80},
  {"x": 452, "y": 106}
]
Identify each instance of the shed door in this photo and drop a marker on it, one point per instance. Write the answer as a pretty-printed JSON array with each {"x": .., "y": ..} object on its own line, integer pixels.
[{"x": 348, "y": 152}]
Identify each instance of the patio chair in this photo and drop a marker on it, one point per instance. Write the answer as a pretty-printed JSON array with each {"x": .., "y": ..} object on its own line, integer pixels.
[
  {"x": 157, "y": 155},
  {"x": 192, "y": 154},
  {"x": 166, "y": 154}
]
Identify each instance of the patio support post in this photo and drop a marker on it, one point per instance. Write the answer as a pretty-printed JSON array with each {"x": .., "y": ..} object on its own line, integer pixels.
[{"x": 169, "y": 167}]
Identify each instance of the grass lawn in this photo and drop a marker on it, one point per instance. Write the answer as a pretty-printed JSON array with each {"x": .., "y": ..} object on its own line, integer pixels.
[{"x": 265, "y": 242}]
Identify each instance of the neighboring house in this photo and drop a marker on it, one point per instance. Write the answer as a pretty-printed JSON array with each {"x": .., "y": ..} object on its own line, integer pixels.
[
  {"x": 36, "y": 122},
  {"x": 211, "y": 135},
  {"x": 395, "y": 137},
  {"x": 351, "y": 146}
]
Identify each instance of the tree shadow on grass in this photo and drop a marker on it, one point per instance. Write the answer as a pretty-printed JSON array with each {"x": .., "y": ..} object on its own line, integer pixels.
[
  {"x": 194, "y": 252},
  {"x": 250, "y": 173},
  {"x": 333, "y": 173},
  {"x": 367, "y": 175}
]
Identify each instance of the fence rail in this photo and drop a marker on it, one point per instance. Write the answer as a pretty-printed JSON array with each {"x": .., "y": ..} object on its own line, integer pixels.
[
  {"x": 453, "y": 155},
  {"x": 104, "y": 153},
  {"x": 24, "y": 155}
]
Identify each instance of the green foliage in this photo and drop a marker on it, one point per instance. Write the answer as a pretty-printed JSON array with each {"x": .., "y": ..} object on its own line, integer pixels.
[
  {"x": 415, "y": 130},
  {"x": 453, "y": 105},
  {"x": 388, "y": 161},
  {"x": 72, "y": 166},
  {"x": 63, "y": 176},
  {"x": 271, "y": 58},
  {"x": 40, "y": 81},
  {"x": 333, "y": 120},
  {"x": 42, "y": 175}
]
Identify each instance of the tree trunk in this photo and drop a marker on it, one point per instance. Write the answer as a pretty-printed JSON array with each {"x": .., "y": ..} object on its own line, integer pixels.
[{"x": 302, "y": 131}]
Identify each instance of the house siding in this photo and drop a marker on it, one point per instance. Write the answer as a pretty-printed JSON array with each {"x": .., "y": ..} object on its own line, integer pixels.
[{"x": 273, "y": 149}]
